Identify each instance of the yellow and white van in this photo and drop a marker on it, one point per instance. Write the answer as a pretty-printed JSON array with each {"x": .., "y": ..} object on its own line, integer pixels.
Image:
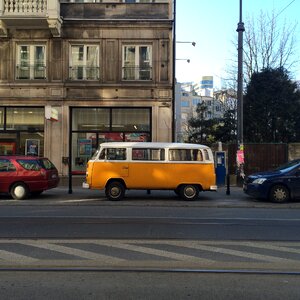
[{"x": 185, "y": 168}]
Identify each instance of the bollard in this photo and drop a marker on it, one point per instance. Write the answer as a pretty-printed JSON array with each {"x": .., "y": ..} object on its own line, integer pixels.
[{"x": 228, "y": 184}]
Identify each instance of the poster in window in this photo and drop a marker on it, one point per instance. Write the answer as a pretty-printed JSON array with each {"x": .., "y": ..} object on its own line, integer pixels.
[
  {"x": 32, "y": 147},
  {"x": 84, "y": 147}
]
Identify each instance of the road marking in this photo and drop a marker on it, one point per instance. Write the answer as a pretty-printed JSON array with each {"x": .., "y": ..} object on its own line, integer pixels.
[
  {"x": 13, "y": 257},
  {"x": 147, "y": 247},
  {"x": 162, "y": 253},
  {"x": 49, "y": 245}
]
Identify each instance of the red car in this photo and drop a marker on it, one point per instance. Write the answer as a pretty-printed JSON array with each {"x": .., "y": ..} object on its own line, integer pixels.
[{"x": 22, "y": 176}]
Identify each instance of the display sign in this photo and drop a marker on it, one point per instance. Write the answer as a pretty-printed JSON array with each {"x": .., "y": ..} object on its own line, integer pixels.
[{"x": 32, "y": 147}]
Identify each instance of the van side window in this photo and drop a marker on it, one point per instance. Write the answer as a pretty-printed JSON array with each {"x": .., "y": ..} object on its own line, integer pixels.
[
  {"x": 116, "y": 154},
  {"x": 206, "y": 155},
  {"x": 148, "y": 154},
  {"x": 185, "y": 155}
]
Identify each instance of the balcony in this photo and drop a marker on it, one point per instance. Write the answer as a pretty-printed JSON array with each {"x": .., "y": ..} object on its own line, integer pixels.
[
  {"x": 84, "y": 73},
  {"x": 30, "y": 72},
  {"x": 30, "y": 14},
  {"x": 137, "y": 73}
]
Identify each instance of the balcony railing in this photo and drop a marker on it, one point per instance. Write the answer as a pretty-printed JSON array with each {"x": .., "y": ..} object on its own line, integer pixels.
[
  {"x": 30, "y": 14},
  {"x": 137, "y": 73},
  {"x": 21, "y": 7},
  {"x": 31, "y": 72},
  {"x": 84, "y": 73}
]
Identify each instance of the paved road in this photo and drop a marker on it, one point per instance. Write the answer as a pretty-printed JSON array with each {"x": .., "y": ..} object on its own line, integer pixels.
[
  {"x": 153, "y": 246},
  {"x": 80, "y": 196}
]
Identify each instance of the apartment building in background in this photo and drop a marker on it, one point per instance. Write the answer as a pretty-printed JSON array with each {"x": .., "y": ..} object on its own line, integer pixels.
[
  {"x": 76, "y": 73},
  {"x": 187, "y": 97}
]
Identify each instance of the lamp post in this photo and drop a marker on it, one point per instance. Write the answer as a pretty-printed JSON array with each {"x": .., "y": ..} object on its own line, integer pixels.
[
  {"x": 240, "y": 117},
  {"x": 180, "y": 42},
  {"x": 186, "y": 59}
]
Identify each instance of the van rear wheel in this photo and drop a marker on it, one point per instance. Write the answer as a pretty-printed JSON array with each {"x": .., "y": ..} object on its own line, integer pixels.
[
  {"x": 189, "y": 192},
  {"x": 115, "y": 191}
]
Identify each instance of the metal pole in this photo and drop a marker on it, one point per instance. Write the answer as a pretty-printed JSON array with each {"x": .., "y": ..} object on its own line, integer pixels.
[
  {"x": 240, "y": 117},
  {"x": 174, "y": 76}
]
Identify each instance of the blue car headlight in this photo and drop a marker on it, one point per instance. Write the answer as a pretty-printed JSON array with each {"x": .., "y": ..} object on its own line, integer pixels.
[{"x": 259, "y": 180}]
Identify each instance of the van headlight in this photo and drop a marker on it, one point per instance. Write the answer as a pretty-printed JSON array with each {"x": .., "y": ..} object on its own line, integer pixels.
[{"x": 259, "y": 180}]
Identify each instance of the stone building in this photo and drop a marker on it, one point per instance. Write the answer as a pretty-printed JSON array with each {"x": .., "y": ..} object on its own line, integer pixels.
[{"x": 76, "y": 73}]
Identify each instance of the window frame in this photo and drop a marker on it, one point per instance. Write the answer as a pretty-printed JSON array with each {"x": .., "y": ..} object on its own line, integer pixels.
[
  {"x": 138, "y": 70},
  {"x": 32, "y": 66},
  {"x": 84, "y": 67}
]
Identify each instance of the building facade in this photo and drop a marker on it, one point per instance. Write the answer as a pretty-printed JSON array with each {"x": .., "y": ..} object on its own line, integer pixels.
[
  {"x": 187, "y": 99},
  {"x": 76, "y": 73}
]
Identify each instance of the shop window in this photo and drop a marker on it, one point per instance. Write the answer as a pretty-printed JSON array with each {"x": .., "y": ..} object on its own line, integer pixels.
[
  {"x": 25, "y": 118},
  {"x": 131, "y": 120},
  {"x": 84, "y": 62},
  {"x": 2, "y": 118},
  {"x": 137, "y": 62},
  {"x": 91, "y": 119},
  {"x": 31, "y": 62}
]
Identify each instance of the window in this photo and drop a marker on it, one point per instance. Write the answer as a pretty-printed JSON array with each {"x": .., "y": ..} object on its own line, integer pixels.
[
  {"x": 196, "y": 101},
  {"x": 137, "y": 63},
  {"x": 6, "y": 166},
  {"x": 25, "y": 118},
  {"x": 113, "y": 154},
  {"x": 185, "y": 155},
  {"x": 136, "y": 1},
  {"x": 185, "y": 104},
  {"x": 133, "y": 120},
  {"x": 148, "y": 154},
  {"x": 29, "y": 164},
  {"x": 84, "y": 62},
  {"x": 31, "y": 62},
  {"x": 206, "y": 155}
]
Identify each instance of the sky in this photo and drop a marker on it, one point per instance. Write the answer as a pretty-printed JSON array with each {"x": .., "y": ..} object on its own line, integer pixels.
[{"x": 212, "y": 25}]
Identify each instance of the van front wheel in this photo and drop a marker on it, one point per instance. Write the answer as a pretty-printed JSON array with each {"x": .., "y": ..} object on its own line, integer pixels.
[
  {"x": 189, "y": 192},
  {"x": 115, "y": 191}
]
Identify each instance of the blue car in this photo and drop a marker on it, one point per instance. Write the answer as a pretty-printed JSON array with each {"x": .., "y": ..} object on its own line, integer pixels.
[{"x": 279, "y": 185}]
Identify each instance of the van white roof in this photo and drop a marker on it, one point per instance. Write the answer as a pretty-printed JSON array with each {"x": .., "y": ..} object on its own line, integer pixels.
[{"x": 153, "y": 145}]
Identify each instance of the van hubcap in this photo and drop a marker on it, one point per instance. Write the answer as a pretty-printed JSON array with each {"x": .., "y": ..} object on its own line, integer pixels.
[
  {"x": 115, "y": 191},
  {"x": 190, "y": 191}
]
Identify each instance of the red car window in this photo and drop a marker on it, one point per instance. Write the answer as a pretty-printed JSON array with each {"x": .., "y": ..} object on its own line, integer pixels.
[
  {"x": 29, "y": 164},
  {"x": 6, "y": 165}
]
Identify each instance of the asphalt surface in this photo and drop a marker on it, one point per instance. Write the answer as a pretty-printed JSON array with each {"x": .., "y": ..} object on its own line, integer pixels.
[{"x": 63, "y": 195}]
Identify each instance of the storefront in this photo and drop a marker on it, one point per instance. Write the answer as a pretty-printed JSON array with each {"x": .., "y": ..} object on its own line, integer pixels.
[
  {"x": 92, "y": 126},
  {"x": 22, "y": 130}
]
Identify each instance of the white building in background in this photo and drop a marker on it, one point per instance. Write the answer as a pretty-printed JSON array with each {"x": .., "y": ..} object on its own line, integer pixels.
[{"x": 187, "y": 98}]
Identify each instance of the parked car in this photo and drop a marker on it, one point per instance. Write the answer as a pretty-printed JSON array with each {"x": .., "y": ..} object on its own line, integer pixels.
[
  {"x": 22, "y": 176},
  {"x": 279, "y": 185}
]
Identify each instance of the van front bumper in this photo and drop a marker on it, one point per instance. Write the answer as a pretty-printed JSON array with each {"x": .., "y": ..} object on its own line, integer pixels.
[
  {"x": 85, "y": 185},
  {"x": 213, "y": 188}
]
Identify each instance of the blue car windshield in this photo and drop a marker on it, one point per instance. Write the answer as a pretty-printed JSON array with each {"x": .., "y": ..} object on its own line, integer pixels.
[{"x": 288, "y": 166}]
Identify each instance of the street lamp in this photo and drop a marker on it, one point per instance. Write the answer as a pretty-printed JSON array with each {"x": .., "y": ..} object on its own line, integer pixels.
[
  {"x": 240, "y": 117},
  {"x": 193, "y": 43},
  {"x": 186, "y": 59}
]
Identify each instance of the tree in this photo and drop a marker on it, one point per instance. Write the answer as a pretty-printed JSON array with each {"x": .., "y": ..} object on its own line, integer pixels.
[
  {"x": 271, "y": 108},
  {"x": 201, "y": 129},
  {"x": 226, "y": 129},
  {"x": 266, "y": 45}
]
